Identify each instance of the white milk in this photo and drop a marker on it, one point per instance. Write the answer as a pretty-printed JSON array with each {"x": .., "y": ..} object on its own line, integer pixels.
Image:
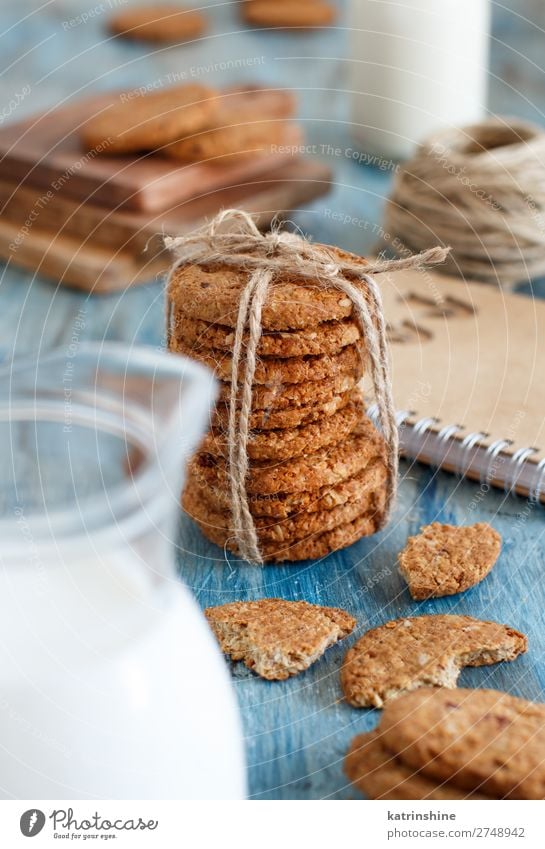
[
  {"x": 416, "y": 66},
  {"x": 111, "y": 686}
]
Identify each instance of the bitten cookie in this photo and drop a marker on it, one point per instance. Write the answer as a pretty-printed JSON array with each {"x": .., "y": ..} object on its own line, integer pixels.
[
  {"x": 277, "y": 638},
  {"x": 422, "y": 651},
  {"x": 159, "y": 24},
  {"x": 305, "y": 14},
  {"x": 444, "y": 559},
  {"x": 476, "y": 739},
  {"x": 151, "y": 120},
  {"x": 381, "y": 774}
]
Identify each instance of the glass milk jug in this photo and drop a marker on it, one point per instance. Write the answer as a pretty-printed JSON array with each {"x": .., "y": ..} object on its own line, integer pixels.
[
  {"x": 111, "y": 684},
  {"x": 416, "y": 66}
]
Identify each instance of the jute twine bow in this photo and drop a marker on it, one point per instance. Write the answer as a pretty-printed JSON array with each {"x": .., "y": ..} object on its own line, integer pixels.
[
  {"x": 480, "y": 189},
  {"x": 233, "y": 239}
]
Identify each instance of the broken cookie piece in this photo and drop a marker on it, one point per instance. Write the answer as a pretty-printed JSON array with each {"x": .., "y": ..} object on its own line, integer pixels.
[
  {"x": 444, "y": 559},
  {"x": 422, "y": 651},
  {"x": 277, "y": 638}
]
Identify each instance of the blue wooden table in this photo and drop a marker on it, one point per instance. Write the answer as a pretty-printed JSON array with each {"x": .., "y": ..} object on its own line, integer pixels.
[{"x": 297, "y": 731}]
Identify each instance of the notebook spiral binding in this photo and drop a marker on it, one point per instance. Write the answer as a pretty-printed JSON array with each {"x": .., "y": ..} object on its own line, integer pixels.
[{"x": 468, "y": 456}]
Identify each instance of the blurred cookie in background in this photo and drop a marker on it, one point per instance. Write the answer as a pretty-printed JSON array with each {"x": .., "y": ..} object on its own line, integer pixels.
[
  {"x": 305, "y": 14},
  {"x": 163, "y": 24},
  {"x": 248, "y": 122},
  {"x": 149, "y": 121}
]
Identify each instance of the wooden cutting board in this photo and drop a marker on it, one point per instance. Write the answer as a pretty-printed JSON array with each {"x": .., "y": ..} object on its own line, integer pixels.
[
  {"x": 281, "y": 188},
  {"x": 45, "y": 151},
  {"x": 101, "y": 250}
]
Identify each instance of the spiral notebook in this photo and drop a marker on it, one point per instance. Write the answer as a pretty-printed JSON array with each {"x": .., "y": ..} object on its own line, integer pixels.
[{"x": 469, "y": 378}]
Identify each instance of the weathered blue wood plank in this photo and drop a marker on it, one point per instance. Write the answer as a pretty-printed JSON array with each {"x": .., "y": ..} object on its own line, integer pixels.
[{"x": 297, "y": 731}]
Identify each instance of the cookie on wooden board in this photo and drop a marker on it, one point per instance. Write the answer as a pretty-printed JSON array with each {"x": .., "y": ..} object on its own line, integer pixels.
[
  {"x": 288, "y": 443},
  {"x": 162, "y": 24},
  {"x": 151, "y": 120},
  {"x": 249, "y": 120},
  {"x": 476, "y": 739},
  {"x": 326, "y": 467},
  {"x": 212, "y": 294},
  {"x": 288, "y": 530},
  {"x": 285, "y": 505},
  {"x": 311, "y": 548},
  {"x": 276, "y": 370},
  {"x": 277, "y": 638},
  {"x": 304, "y": 14},
  {"x": 248, "y": 102},
  {"x": 328, "y": 337},
  {"x": 422, "y": 651},
  {"x": 445, "y": 559},
  {"x": 381, "y": 774},
  {"x": 233, "y": 143}
]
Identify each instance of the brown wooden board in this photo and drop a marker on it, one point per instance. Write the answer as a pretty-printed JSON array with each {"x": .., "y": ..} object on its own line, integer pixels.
[
  {"x": 45, "y": 151},
  {"x": 69, "y": 262},
  {"x": 102, "y": 250}
]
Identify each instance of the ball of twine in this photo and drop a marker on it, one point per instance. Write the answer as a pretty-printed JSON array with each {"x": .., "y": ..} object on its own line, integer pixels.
[{"x": 481, "y": 190}]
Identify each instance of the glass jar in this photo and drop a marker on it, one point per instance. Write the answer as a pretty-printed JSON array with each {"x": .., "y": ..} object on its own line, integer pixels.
[
  {"x": 111, "y": 684},
  {"x": 416, "y": 66}
]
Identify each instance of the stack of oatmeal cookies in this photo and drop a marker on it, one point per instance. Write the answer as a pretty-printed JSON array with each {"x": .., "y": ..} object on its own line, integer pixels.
[{"x": 317, "y": 476}]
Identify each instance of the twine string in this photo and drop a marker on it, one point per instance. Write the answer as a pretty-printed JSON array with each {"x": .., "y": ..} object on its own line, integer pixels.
[
  {"x": 267, "y": 258},
  {"x": 238, "y": 432},
  {"x": 480, "y": 189}
]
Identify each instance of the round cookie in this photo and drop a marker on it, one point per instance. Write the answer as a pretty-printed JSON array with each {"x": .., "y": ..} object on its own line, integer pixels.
[
  {"x": 151, "y": 120},
  {"x": 328, "y": 466},
  {"x": 476, "y": 739},
  {"x": 328, "y": 337},
  {"x": 230, "y": 143},
  {"x": 289, "y": 417},
  {"x": 212, "y": 294},
  {"x": 286, "y": 505},
  {"x": 306, "y": 549},
  {"x": 288, "y": 443},
  {"x": 287, "y": 530},
  {"x": 304, "y": 14},
  {"x": 275, "y": 370},
  {"x": 380, "y": 774},
  {"x": 280, "y": 396},
  {"x": 162, "y": 24}
]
